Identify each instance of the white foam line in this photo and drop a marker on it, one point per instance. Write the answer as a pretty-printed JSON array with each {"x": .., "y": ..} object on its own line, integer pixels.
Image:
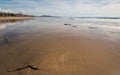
[{"x": 109, "y": 27}]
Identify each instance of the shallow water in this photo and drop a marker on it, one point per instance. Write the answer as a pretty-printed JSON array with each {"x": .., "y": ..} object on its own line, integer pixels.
[{"x": 83, "y": 47}]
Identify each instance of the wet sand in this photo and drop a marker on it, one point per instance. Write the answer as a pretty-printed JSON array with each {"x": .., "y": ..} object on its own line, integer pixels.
[
  {"x": 58, "y": 50},
  {"x": 13, "y": 19}
]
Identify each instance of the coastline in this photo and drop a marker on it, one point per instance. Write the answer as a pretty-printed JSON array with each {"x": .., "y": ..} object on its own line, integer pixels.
[{"x": 13, "y": 19}]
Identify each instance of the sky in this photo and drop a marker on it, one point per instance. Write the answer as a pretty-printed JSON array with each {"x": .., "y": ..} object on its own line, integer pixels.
[{"x": 71, "y": 8}]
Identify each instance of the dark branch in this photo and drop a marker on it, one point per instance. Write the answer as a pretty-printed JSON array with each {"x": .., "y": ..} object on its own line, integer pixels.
[{"x": 29, "y": 66}]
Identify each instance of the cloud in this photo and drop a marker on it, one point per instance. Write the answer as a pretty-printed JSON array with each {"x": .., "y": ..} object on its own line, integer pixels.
[
  {"x": 21, "y": 12},
  {"x": 80, "y": 8},
  {"x": 11, "y": 11},
  {"x": 67, "y": 7},
  {"x": 6, "y": 10},
  {"x": 87, "y": 8}
]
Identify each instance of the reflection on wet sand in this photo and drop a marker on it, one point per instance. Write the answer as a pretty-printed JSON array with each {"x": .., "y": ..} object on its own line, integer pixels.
[
  {"x": 13, "y": 19},
  {"x": 10, "y": 22},
  {"x": 3, "y": 41},
  {"x": 6, "y": 37},
  {"x": 2, "y": 27},
  {"x": 57, "y": 49}
]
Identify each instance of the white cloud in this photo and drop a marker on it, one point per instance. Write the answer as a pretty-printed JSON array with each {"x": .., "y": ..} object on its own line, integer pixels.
[
  {"x": 112, "y": 8},
  {"x": 6, "y": 10},
  {"x": 21, "y": 12},
  {"x": 70, "y": 7}
]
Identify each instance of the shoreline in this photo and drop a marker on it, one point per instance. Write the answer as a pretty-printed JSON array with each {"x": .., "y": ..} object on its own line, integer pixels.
[{"x": 13, "y": 19}]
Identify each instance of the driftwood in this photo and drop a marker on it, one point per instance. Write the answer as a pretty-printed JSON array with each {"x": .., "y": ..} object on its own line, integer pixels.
[{"x": 22, "y": 68}]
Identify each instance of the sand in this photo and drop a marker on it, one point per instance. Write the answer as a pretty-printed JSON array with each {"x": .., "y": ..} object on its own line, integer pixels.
[
  {"x": 59, "y": 54},
  {"x": 13, "y": 19}
]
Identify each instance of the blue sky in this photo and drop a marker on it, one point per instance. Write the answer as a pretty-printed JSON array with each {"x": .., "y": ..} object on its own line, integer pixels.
[{"x": 63, "y": 7}]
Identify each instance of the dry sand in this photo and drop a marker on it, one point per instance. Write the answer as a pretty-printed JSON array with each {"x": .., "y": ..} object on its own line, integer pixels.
[{"x": 62, "y": 54}]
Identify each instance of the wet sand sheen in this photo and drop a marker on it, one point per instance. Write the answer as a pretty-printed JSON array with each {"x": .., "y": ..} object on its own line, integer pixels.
[
  {"x": 60, "y": 54},
  {"x": 70, "y": 55}
]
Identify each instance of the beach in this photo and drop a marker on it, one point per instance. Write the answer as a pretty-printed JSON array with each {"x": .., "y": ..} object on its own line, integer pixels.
[
  {"x": 13, "y": 19},
  {"x": 60, "y": 46}
]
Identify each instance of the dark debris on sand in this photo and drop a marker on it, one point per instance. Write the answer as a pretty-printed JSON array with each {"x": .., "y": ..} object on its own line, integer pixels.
[
  {"x": 67, "y": 24},
  {"x": 74, "y": 26},
  {"x": 92, "y": 27},
  {"x": 22, "y": 68}
]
